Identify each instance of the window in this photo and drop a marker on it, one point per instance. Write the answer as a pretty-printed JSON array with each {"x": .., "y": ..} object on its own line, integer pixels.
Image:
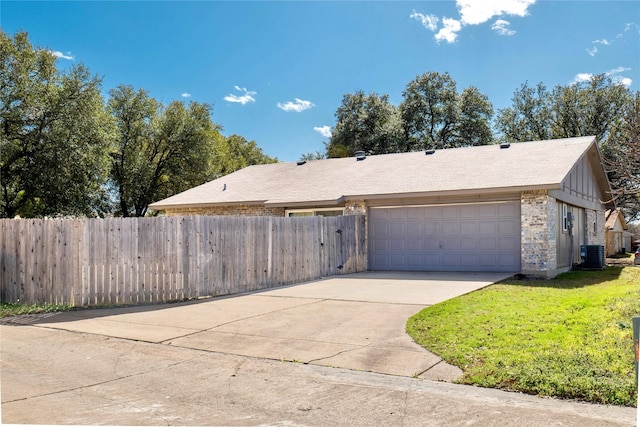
[
  {"x": 565, "y": 218},
  {"x": 315, "y": 212}
]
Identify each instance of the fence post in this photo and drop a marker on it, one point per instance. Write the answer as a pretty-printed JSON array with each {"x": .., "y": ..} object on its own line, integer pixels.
[{"x": 636, "y": 347}]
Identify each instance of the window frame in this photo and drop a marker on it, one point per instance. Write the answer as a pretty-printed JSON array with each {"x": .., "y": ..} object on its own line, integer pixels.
[{"x": 314, "y": 211}]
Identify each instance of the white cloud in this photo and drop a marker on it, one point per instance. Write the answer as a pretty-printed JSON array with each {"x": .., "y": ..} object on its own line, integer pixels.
[
  {"x": 186, "y": 95},
  {"x": 582, "y": 77},
  {"x": 242, "y": 99},
  {"x": 298, "y": 106},
  {"x": 428, "y": 21},
  {"x": 618, "y": 70},
  {"x": 631, "y": 26},
  {"x": 619, "y": 80},
  {"x": 325, "y": 131},
  {"x": 602, "y": 42},
  {"x": 450, "y": 31},
  {"x": 592, "y": 51},
  {"x": 474, "y": 12},
  {"x": 622, "y": 81},
  {"x": 61, "y": 55},
  {"x": 502, "y": 28}
]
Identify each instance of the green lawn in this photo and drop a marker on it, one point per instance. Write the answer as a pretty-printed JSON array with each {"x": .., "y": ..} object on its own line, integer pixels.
[{"x": 570, "y": 337}]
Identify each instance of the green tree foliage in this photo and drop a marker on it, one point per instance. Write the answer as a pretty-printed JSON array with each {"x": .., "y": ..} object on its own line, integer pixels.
[
  {"x": 580, "y": 109},
  {"x": 365, "y": 123},
  {"x": 236, "y": 152},
  {"x": 435, "y": 115},
  {"x": 55, "y": 134},
  {"x": 318, "y": 155},
  {"x": 529, "y": 118},
  {"x": 600, "y": 107},
  {"x": 160, "y": 150}
]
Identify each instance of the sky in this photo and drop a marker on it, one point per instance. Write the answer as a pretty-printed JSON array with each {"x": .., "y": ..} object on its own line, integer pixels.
[{"x": 275, "y": 72}]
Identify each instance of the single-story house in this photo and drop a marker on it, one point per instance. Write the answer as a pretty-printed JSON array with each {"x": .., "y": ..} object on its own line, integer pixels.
[
  {"x": 618, "y": 239},
  {"x": 524, "y": 207}
]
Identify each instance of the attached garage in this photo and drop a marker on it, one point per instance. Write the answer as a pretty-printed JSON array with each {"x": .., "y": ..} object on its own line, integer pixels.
[
  {"x": 492, "y": 208},
  {"x": 462, "y": 237}
]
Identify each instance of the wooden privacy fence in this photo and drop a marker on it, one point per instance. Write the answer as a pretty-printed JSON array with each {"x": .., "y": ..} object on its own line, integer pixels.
[{"x": 87, "y": 262}]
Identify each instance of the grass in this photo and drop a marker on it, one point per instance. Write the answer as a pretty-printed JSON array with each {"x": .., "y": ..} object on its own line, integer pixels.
[
  {"x": 570, "y": 337},
  {"x": 8, "y": 309}
]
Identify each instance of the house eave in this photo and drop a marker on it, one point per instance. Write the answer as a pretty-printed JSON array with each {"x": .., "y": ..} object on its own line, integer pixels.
[{"x": 461, "y": 192}]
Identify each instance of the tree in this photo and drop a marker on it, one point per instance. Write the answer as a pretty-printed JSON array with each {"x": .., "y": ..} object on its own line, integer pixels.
[
  {"x": 598, "y": 106},
  {"x": 159, "y": 150},
  {"x": 580, "y": 109},
  {"x": 236, "y": 152},
  {"x": 55, "y": 134},
  {"x": 318, "y": 155},
  {"x": 365, "y": 123},
  {"x": 622, "y": 158},
  {"x": 530, "y": 116},
  {"x": 434, "y": 115}
]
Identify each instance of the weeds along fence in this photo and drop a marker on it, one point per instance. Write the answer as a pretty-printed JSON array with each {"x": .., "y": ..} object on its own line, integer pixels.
[{"x": 86, "y": 262}]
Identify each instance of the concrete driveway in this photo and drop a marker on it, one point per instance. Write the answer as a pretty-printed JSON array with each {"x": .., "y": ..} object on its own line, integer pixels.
[
  {"x": 354, "y": 321},
  {"x": 226, "y": 361}
]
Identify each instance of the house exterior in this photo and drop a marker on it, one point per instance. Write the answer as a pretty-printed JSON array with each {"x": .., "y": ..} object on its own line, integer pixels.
[
  {"x": 618, "y": 239},
  {"x": 522, "y": 208}
]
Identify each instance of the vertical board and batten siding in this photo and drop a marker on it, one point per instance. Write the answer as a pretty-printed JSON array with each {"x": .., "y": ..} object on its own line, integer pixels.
[{"x": 87, "y": 262}]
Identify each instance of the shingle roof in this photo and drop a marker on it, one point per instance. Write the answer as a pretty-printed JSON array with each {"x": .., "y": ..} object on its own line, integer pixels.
[{"x": 526, "y": 165}]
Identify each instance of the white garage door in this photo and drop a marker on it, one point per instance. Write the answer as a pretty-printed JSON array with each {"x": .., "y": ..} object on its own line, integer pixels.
[{"x": 466, "y": 237}]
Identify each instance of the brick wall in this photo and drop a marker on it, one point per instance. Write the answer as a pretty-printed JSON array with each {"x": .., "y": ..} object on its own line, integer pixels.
[
  {"x": 538, "y": 213},
  {"x": 595, "y": 235},
  {"x": 239, "y": 210}
]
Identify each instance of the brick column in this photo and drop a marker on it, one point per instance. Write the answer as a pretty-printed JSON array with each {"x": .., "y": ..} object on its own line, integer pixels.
[{"x": 538, "y": 216}]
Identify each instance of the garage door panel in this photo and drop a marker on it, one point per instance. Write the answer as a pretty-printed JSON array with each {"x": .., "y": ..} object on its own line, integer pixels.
[
  {"x": 507, "y": 244},
  {"x": 508, "y": 260},
  {"x": 397, "y": 229},
  {"x": 468, "y": 227},
  {"x": 414, "y": 214},
  {"x": 508, "y": 210},
  {"x": 380, "y": 246},
  {"x": 469, "y": 211},
  {"x": 507, "y": 226},
  {"x": 430, "y": 244},
  {"x": 397, "y": 245},
  {"x": 449, "y": 244},
  {"x": 450, "y": 227},
  {"x": 472, "y": 237},
  {"x": 486, "y": 260},
  {"x": 451, "y": 212},
  {"x": 431, "y": 228},
  {"x": 487, "y": 227},
  {"x": 413, "y": 229},
  {"x": 414, "y": 245},
  {"x": 468, "y": 244},
  {"x": 487, "y": 211},
  {"x": 487, "y": 243}
]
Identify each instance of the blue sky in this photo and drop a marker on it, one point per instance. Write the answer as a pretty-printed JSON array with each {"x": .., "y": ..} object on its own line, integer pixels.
[{"x": 276, "y": 72}]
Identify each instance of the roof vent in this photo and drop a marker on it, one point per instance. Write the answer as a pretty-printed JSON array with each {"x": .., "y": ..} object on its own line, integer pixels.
[
  {"x": 360, "y": 155},
  {"x": 505, "y": 145},
  {"x": 301, "y": 162},
  {"x": 430, "y": 151},
  {"x": 224, "y": 187}
]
